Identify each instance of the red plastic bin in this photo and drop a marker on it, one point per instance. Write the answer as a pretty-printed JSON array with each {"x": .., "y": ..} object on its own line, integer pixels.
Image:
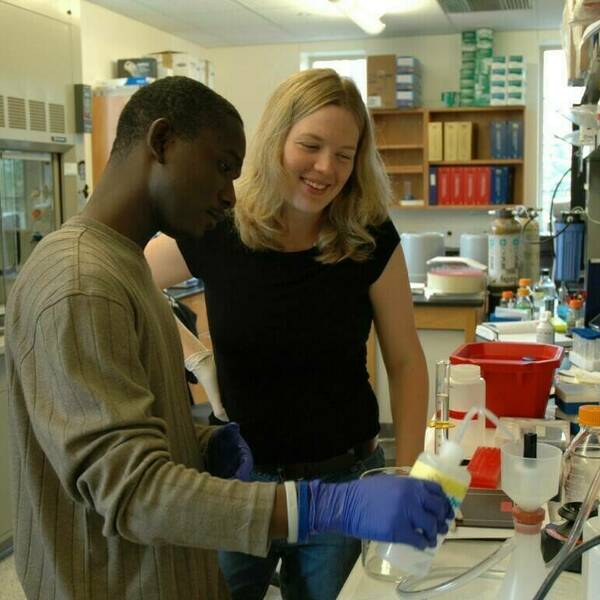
[{"x": 518, "y": 376}]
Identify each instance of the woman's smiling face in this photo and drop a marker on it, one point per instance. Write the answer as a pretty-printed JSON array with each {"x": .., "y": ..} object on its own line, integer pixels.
[{"x": 318, "y": 158}]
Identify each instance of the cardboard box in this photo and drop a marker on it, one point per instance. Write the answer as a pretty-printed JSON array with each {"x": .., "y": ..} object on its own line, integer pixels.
[
  {"x": 451, "y": 140},
  {"x": 408, "y": 64},
  {"x": 408, "y": 98},
  {"x": 137, "y": 67},
  {"x": 466, "y": 138},
  {"x": 381, "y": 81},
  {"x": 179, "y": 63},
  {"x": 435, "y": 141},
  {"x": 408, "y": 81}
]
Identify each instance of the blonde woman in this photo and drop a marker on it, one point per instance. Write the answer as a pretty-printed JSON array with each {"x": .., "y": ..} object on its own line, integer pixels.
[{"x": 293, "y": 281}]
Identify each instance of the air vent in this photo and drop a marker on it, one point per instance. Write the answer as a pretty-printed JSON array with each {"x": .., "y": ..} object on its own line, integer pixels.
[
  {"x": 16, "y": 113},
  {"x": 466, "y": 6},
  {"x": 2, "y": 118},
  {"x": 57, "y": 118},
  {"x": 37, "y": 115}
]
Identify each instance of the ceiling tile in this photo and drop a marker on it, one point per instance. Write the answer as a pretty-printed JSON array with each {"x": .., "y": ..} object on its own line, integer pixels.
[{"x": 218, "y": 23}]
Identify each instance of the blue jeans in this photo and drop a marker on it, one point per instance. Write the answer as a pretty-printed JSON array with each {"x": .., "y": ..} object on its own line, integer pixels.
[{"x": 313, "y": 570}]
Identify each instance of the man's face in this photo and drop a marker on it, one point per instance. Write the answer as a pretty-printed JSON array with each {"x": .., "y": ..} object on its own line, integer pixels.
[{"x": 199, "y": 176}]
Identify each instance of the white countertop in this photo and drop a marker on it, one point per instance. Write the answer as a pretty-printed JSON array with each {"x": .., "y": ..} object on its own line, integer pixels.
[{"x": 455, "y": 553}]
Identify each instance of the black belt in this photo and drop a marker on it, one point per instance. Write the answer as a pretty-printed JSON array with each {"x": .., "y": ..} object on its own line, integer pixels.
[{"x": 310, "y": 470}]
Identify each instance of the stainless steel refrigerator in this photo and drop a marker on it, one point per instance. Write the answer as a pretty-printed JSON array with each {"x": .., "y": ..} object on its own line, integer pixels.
[{"x": 29, "y": 209}]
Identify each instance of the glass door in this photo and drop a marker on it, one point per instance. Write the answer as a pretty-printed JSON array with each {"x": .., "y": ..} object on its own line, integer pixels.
[{"x": 29, "y": 206}]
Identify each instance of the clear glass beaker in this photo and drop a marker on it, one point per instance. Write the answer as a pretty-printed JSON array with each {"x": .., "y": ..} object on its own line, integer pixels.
[{"x": 373, "y": 555}]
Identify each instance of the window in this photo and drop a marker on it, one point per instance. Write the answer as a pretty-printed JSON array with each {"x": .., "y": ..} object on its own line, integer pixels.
[
  {"x": 555, "y": 152},
  {"x": 354, "y": 67}
]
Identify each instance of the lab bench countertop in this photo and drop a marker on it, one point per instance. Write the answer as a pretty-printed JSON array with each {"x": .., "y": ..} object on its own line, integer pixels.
[
  {"x": 455, "y": 553},
  {"x": 418, "y": 299}
]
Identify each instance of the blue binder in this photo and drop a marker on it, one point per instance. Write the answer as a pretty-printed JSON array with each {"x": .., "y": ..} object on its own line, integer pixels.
[{"x": 433, "y": 197}]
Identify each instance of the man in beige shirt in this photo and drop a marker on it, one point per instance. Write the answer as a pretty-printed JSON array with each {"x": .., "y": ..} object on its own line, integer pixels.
[{"x": 112, "y": 497}]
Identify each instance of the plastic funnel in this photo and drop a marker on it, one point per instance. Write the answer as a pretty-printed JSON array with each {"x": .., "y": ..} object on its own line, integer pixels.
[{"x": 530, "y": 482}]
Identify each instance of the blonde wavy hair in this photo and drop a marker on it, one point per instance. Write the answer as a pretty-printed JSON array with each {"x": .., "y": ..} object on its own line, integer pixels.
[{"x": 362, "y": 203}]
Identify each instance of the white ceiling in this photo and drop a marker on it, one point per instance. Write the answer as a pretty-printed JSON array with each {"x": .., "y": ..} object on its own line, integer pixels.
[{"x": 219, "y": 23}]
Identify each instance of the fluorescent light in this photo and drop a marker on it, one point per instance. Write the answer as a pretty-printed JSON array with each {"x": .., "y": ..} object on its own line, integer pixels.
[{"x": 367, "y": 20}]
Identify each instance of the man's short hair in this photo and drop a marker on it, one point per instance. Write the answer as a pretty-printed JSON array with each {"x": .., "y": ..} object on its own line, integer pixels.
[{"x": 188, "y": 105}]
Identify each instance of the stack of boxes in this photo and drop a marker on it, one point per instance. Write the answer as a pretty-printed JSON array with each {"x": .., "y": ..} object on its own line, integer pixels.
[
  {"x": 508, "y": 80},
  {"x": 476, "y": 51},
  {"x": 393, "y": 81},
  {"x": 467, "y": 68},
  {"x": 483, "y": 63},
  {"x": 408, "y": 82}
]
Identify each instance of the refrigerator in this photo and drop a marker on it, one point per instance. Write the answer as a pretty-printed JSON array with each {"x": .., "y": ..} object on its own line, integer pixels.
[{"x": 29, "y": 210}]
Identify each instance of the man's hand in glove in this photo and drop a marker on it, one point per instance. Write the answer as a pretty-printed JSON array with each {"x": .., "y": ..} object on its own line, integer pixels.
[
  {"x": 382, "y": 508},
  {"x": 228, "y": 455}
]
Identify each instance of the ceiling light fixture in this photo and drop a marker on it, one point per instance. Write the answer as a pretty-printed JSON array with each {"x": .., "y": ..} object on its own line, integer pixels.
[{"x": 368, "y": 20}]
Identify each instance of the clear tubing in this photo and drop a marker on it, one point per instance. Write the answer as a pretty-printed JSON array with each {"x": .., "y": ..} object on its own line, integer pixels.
[
  {"x": 484, "y": 412},
  {"x": 405, "y": 588},
  {"x": 584, "y": 513}
]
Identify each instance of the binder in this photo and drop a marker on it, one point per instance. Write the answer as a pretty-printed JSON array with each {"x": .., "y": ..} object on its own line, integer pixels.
[
  {"x": 456, "y": 185},
  {"x": 515, "y": 139},
  {"x": 498, "y": 139},
  {"x": 435, "y": 139},
  {"x": 469, "y": 186},
  {"x": 443, "y": 185},
  {"x": 483, "y": 185},
  {"x": 433, "y": 186},
  {"x": 451, "y": 140}
]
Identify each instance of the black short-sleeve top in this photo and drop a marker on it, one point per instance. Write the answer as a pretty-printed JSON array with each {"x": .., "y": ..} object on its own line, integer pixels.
[{"x": 289, "y": 338}]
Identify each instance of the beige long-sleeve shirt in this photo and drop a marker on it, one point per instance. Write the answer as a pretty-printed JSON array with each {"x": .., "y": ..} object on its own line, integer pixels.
[{"x": 110, "y": 498}]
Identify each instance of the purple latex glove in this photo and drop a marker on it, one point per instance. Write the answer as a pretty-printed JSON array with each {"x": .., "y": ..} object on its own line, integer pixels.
[
  {"x": 382, "y": 508},
  {"x": 228, "y": 455}
]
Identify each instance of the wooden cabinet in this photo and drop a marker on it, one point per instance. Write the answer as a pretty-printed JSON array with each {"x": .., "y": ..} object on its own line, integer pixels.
[
  {"x": 105, "y": 116},
  {"x": 402, "y": 140}
]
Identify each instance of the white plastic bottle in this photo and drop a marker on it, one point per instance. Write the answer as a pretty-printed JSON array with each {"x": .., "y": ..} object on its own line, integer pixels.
[
  {"x": 446, "y": 470},
  {"x": 467, "y": 389},
  {"x": 544, "y": 332}
]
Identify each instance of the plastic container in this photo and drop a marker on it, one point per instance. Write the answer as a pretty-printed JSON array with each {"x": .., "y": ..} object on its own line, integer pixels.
[
  {"x": 446, "y": 470},
  {"x": 467, "y": 389},
  {"x": 503, "y": 250},
  {"x": 574, "y": 314},
  {"x": 582, "y": 458},
  {"x": 530, "y": 482},
  {"x": 524, "y": 302},
  {"x": 544, "y": 332},
  {"x": 375, "y": 555},
  {"x": 518, "y": 376},
  {"x": 568, "y": 247},
  {"x": 586, "y": 349},
  {"x": 530, "y": 477},
  {"x": 544, "y": 289},
  {"x": 530, "y": 249},
  {"x": 591, "y": 561},
  {"x": 507, "y": 300}
]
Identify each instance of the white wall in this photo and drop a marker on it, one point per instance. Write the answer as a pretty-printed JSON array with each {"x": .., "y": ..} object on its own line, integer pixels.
[
  {"x": 247, "y": 76},
  {"x": 107, "y": 36}
]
